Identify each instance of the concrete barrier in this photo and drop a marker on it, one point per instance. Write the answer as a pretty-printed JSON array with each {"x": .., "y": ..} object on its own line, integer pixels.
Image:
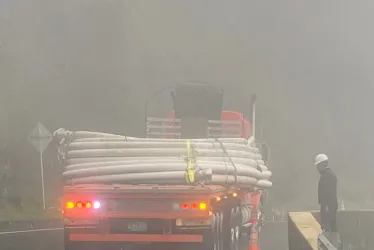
[{"x": 356, "y": 228}]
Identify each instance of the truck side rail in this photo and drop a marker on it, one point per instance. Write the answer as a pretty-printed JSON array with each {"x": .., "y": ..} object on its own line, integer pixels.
[{"x": 171, "y": 128}]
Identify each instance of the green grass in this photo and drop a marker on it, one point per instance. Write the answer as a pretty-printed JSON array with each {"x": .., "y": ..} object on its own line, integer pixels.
[
  {"x": 25, "y": 183},
  {"x": 28, "y": 212},
  {"x": 31, "y": 197}
]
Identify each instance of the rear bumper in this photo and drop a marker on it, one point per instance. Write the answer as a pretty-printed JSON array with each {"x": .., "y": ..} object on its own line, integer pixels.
[{"x": 171, "y": 238}]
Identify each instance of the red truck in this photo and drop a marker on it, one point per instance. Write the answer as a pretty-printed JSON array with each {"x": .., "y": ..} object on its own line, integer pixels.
[{"x": 181, "y": 216}]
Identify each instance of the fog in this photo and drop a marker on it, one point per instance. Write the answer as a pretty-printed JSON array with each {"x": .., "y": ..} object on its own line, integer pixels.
[{"x": 91, "y": 64}]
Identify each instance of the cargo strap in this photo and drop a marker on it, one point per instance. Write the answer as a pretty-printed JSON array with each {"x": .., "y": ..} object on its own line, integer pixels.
[
  {"x": 191, "y": 163},
  {"x": 231, "y": 161}
]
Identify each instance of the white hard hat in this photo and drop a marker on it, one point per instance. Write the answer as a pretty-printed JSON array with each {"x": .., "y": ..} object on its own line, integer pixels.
[{"x": 320, "y": 158}]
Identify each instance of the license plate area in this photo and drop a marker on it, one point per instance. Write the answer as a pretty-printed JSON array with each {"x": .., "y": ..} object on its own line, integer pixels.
[{"x": 137, "y": 226}]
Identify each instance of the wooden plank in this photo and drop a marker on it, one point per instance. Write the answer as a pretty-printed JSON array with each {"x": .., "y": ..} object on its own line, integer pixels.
[{"x": 308, "y": 226}]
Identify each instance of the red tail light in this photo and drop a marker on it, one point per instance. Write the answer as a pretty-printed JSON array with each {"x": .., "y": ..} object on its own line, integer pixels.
[
  {"x": 83, "y": 205},
  {"x": 194, "y": 205}
]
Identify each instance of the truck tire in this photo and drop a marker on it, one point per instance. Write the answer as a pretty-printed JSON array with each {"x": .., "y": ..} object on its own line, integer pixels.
[
  {"x": 215, "y": 231},
  {"x": 219, "y": 231},
  {"x": 221, "y": 235},
  {"x": 234, "y": 229}
]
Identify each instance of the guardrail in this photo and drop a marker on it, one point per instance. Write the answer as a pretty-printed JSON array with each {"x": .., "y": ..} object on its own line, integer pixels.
[
  {"x": 325, "y": 244},
  {"x": 7, "y": 226}
]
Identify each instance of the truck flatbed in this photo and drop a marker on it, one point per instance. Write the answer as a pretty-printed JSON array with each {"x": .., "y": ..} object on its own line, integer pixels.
[{"x": 149, "y": 189}]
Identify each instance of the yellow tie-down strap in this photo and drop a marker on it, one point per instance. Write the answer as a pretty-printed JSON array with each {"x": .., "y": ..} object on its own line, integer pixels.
[{"x": 191, "y": 163}]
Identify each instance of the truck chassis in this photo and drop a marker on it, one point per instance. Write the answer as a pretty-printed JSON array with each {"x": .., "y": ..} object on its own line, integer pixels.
[{"x": 215, "y": 223}]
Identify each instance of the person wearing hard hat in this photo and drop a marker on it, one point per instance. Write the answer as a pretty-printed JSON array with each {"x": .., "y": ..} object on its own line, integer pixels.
[{"x": 327, "y": 193}]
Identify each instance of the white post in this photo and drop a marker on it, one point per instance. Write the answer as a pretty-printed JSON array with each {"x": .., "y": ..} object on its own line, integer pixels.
[
  {"x": 42, "y": 175},
  {"x": 254, "y": 121}
]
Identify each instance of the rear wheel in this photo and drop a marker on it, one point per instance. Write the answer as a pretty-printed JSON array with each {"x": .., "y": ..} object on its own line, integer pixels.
[
  {"x": 234, "y": 229},
  {"x": 215, "y": 231},
  {"x": 221, "y": 234}
]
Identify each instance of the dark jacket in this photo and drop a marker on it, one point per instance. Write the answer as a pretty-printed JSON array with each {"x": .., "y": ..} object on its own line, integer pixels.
[{"x": 327, "y": 189}]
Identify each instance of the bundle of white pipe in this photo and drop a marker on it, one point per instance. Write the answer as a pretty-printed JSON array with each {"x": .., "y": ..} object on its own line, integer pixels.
[{"x": 91, "y": 157}]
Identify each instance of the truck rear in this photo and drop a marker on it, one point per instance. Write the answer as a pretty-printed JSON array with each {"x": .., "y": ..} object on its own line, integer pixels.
[
  {"x": 121, "y": 192},
  {"x": 118, "y": 216}
]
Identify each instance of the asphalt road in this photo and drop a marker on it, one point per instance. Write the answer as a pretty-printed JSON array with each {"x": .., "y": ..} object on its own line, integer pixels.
[
  {"x": 273, "y": 237},
  {"x": 32, "y": 240}
]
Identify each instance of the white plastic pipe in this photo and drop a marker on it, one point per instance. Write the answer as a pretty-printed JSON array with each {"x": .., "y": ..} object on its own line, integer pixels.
[{"x": 91, "y": 157}]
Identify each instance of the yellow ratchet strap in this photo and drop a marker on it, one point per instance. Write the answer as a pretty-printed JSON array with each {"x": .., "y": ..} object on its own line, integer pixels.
[{"x": 191, "y": 163}]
